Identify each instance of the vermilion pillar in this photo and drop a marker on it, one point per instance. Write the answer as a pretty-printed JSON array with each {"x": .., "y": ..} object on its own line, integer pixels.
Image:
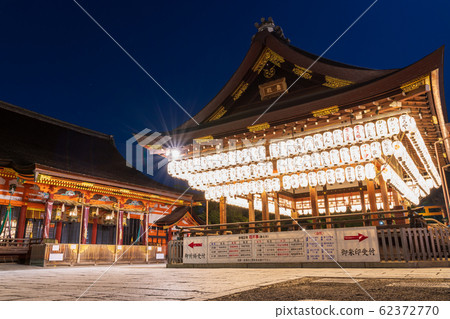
[
  {"x": 58, "y": 231},
  {"x": 120, "y": 228},
  {"x": 94, "y": 231},
  {"x": 146, "y": 226},
  {"x": 47, "y": 217},
  {"x": 84, "y": 225},
  {"x": 22, "y": 219}
]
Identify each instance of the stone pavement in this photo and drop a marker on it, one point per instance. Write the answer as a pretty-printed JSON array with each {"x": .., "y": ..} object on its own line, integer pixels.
[{"x": 155, "y": 282}]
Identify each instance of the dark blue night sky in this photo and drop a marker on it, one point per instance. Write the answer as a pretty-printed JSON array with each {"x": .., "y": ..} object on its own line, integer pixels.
[{"x": 54, "y": 60}]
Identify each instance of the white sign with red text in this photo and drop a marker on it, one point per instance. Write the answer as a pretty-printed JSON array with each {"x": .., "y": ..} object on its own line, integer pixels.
[
  {"x": 195, "y": 250},
  {"x": 357, "y": 244}
]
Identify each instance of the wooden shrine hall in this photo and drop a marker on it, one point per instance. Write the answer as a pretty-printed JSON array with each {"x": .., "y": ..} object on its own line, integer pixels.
[
  {"x": 291, "y": 136},
  {"x": 70, "y": 187}
]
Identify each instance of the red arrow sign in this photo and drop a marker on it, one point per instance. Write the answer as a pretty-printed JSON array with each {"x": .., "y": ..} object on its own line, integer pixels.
[
  {"x": 360, "y": 237},
  {"x": 192, "y": 245}
]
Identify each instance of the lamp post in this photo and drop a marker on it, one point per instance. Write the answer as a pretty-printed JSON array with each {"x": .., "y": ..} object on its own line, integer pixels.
[{"x": 442, "y": 174}]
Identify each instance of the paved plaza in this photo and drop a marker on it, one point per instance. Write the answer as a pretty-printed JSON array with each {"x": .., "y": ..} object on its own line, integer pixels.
[{"x": 155, "y": 282}]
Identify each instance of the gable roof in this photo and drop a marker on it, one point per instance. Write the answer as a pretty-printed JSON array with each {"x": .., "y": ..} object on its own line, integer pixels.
[
  {"x": 29, "y": 140},
  {"x": 177, "y": 215},
  {"x": 238, "y": 104}
]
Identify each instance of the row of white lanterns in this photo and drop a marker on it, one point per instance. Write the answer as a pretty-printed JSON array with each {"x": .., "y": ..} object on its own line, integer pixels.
[
  {"x": 257, "y": 202},
  {"x": 397, "y": 182}
]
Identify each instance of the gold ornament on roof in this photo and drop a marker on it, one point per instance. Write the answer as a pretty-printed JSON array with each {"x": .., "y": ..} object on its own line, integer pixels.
[
  {"x": 416, "y": 83},
  {"x": 240, "y": 90},
  {"x": 266, "y": 56},
  {"x": 335, "y": 83},
  {"x": 303, "y": 72},
  {"x": 217, "y": 114}
]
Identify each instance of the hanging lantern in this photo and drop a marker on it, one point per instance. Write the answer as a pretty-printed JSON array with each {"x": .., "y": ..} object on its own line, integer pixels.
[
  {"x": 338, "y": 137},
  {"x": 321, "y": 178},
  {"x": 386, "y": 173},
  {"x": 203, "y": 163},
  {"x": 360, "y": 173},
  {"x": 309, "y": 144},
  {"x": 328, "y": 139},
  {"x": 259, "y": 186},
  {"x": 232, "y": 174},
  {"x": 303, "y": 179},
  {"x": 239, "y": 189},
  {"x": 300, "y": 145},
  {"x": 386, "y": 146},
  {"x": 307, "y": 162},
  {"x": 298, "y": 162},
  {"x": 276, "y": 184},
  {"x": 375, "y": 147},
  {"x": 262, "y": 152},
  {"x": 255, "y": 154},
  {"x": 326, "y": 159},
  {"x": 370, "y": 131},
  {"x": 370, "y": 171},
  {"x": 63, "y": 208},
  {"x": 290, "y": 164},
  {"x": 269, "y": 168},
  {"x": 348, "y": 135},
  {"x": 287, "y": 182},
  {"x": 295, "y": 181},
  {"x": 252, "y": 186},
  {"x": 382, "y": 129},
  {"x": 335, "y": 158},
  {"x": 274, "y": 150},
  {"x": 291, "y": 147},
  {"x": 247, "y": 157},
  {"x": 283, "y": 149},
  {"x": 345, "y": 155},
  {"x": 316, "y": 160},
  {"x": 358, "y": 131},
  {"x": 355, "y": 153},
  {"x": 318, "y": 141},
  {"x": 281, "y": 166},
  {"x": 393, "y": 125},
  {"x": 404, "y": 122},
  {"x": 245, "y": 188},
  {"x": 232, "y": 188},
  {"x": 312, "y": 179},
  {"x": 398, "y": 150},
  {"x": 350, "y": 174},
  {"x": 340, "y": 175},
  {"x": 331, "y": 178},
  {"x": 226, "y": 190},
  {"x": 366, "y": 153},
  {"x": 268, "y": 185}
]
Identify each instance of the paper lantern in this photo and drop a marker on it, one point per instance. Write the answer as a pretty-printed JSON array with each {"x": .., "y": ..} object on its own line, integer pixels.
[
  {"x": 338, "y": 137},
  {"x": 321, "y": 178},
  {"x": 375, "y": 147},
  {"x": 262, "y": 152},
  {"x": 274, "y": 150},
  {"x": 261, "y": 169},
  {"x": 370, "y": 131},
  {"x": 245, "y": 188},
  {"x": 312, "y": 179},
  {"x": 386, "y": 146},
  {"x": 226, "y": 190},
  {"x": 219, "y": 191},
  {"x": 366, "y": 153},
  {"x": 295, "y": 181},
  {"x": 281, "y": 166},
  {"x": 316, "y": 160},
  {"x": 340, "y": 175},
  {"x": 345, "y": 155},
  {"x": 335, "y": 157},
  {"x": 355, "y": 153},
  {"x": 393, "y": 125},
  {"x": 360, "y": 173},
  {"x": 232, "y": 189},
  {"x": 287, "y": 182},
  {"x": 291, "y": 147},
  {"x": 382, "y": 129},
  {"x": 398, "y": 149},
  {"x": 404, "y": 122},
  {"x": 331, "y": 178},
  {"x": 246, "y": 172},
  {"x": 309, "y": 144},
  {"x": 386, "y": 172},
  {"x": 247, "y": 157},
  {"x": 269, "y": 168},
  {"x": 307, "y": 162},
  {"x": 370, "y": 171},
  {"x": 283, "y": 149},
  {"x": 239, "y": 158},
  {"x": 259, "y": 186},
  {"x": 298, "y": 161},
  {"x": 348, "y": 135},
  {"x": 290, "y": 164},
  {"x": 239, "y": 190},
  {"x": 328, "y": 139},
  {"x": 326, "y": 159},
  {"x": 268, "y": 187},
  {"x": 303, "y": 179},
  {"x": 359, "y": 133},
  {"x": 276, "y": 184},
  {"x": 318, "y": 141},
  {"x": 350, "y": 174},
  {"x": 300, "y": 145},
  {"x": 254, "y": 154}
]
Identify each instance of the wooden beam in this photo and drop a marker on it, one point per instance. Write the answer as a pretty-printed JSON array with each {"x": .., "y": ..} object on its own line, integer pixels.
[{"x": 223, "y": 211}]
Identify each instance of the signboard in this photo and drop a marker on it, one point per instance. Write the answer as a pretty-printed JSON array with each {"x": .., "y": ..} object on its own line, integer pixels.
[
  {"x": 350, "y": 244},
  {"x": 56, "y": 257}
]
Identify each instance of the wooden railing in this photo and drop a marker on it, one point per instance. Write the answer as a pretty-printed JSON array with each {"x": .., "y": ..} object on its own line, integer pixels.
[{"x": 382, "y": 219}]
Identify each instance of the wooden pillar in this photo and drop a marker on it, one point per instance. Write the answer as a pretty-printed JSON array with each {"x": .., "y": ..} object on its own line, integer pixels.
[
  {"x": 327, "y": 206},
  {"x": 251, "y": 212},
  {"x": 84, "y": 224},
  {"x": 314, "y": 204},
  {"x": 384, "y": 193},
  {"x": 120, "y": 228},
  {"x": 58, "y": 231},
  {"x": 94, "y": 231},
  {"x": 22, "y": 219},
  {"x": 265, "y": 211},
  {"x": 276, "y": 201},
  {"x": 80, "y": 233},
  {"x": 372, "y": 200},
  {"x": 223, "y": 211},
  {"x": 47, "y": 217},
  {"x": 363, "y": 201},
  {"x": 207, "y": 212},
  {"x": 146, "y": 226}
]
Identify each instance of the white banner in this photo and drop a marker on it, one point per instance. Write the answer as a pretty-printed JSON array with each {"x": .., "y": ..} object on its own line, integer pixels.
[{"x": 357, "y": 244}]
